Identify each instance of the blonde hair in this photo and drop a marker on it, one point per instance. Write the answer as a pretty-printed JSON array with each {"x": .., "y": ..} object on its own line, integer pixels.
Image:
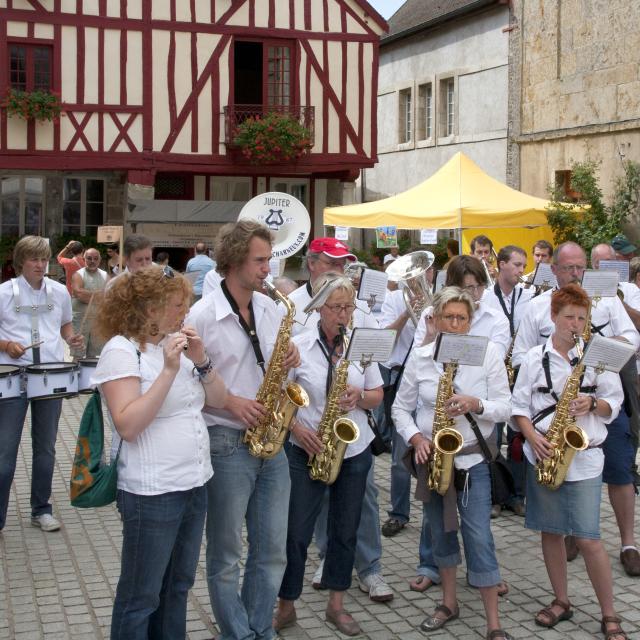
[
  {"x": 28, "y": 248},
  {"x": 130, "y": 297},
  {"x": 448, "y": 295}
]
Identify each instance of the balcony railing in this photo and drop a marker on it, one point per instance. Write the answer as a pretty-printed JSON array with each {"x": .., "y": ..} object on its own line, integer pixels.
[{"x": 236, "y": 114}]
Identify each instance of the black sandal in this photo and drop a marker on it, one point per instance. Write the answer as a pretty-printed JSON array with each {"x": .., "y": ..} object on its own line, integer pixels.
[
  {"x": 567, "y": 614},
  {"x": 612, "y": 632}
]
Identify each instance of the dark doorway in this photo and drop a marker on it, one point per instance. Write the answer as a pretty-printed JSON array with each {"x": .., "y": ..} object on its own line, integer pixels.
[{"x": 247, "y": 78}]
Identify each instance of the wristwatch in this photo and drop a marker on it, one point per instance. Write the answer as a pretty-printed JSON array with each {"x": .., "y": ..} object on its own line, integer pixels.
[
  {"x": 480, "y": 410},
  {"x": 362, "y": 394},
  {"x": 594, "y": 404}
]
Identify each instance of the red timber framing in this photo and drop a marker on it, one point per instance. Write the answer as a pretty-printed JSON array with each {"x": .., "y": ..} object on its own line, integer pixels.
[{"x": 120, "y": 114}]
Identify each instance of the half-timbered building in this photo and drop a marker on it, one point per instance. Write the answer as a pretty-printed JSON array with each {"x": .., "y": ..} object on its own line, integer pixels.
[{"x": 152, "y": 93}]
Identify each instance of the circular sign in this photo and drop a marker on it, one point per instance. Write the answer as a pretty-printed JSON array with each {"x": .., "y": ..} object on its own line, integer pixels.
[{"x": 287, "y": 219}]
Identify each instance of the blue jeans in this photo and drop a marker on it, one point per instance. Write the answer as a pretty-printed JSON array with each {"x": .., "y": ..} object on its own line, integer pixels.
[
  {"x": 161, "y": 538},
  {"x": 345, "y": 500},
  {"x": 255, "y": 491},
  {"x": 474, "y": 508},
  {"x": 427, "y": 566},
  {"x": 369, "y": 544},
  {"x": 44, "y": 429}
]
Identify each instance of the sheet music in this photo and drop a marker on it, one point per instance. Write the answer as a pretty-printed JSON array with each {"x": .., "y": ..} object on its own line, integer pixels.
[
  {"x": 461, "y": 348},
  {"x": 543, "y": 277},
  {"x": 371, "y": 345},
  {"x": 600, "y": 284},
  {"x": 607, "y": 354},
  {"x": 621, "y": 266},
  {"x": 372, "y": 284}
]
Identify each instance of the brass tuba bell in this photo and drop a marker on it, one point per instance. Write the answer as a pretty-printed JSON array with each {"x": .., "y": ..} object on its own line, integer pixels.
[{"x": 411, "y": 269}]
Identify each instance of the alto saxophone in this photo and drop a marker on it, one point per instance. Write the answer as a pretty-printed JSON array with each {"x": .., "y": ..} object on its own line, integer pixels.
[
  {"x": 564, "y": 434},
  {"x": 335, "y": 431},
  {"x": 447, "y": 440},
  {"x": 281, "y": 399}
]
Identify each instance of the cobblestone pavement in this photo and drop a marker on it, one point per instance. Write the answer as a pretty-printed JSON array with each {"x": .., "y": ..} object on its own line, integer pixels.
[{"x": 61, "y": 585}]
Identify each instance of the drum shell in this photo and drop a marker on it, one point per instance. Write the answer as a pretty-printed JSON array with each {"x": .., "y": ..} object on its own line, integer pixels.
[
  {"x": 52, "y": 380},
  {"x": 10, "y": 381},
  {"x": 87, "y": 370}
]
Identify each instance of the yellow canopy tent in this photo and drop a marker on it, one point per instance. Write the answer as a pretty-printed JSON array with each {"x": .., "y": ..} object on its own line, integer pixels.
[{"x": 460, "y": 195}]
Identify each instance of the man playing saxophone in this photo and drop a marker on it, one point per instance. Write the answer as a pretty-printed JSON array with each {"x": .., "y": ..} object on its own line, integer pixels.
[
  {"x": 239, "y": 327},
  {"x": 337, "y": 390},
  {"x": 483, "y": 392},
  {"x": 549, "y": 396}
]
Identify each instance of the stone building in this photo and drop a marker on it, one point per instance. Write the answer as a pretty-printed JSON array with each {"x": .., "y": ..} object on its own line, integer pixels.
[
  {"x": 153, "y": 92},
  {"x": 442, "y": 88},
  {"x": 574, "y": 90}
]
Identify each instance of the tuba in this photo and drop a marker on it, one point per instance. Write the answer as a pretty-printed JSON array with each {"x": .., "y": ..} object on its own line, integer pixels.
[
  {"x": 411, "y": 269},
  {"x": 447, "y": 441},
  {"x": 282, "y": 399},
  {"x": 564, "y": 434},
  {"x": 335, "y": 431}
]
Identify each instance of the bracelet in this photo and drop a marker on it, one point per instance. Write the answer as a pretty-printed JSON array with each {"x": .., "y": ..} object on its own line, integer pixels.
[
  {"x": 203, "y": 364},
  {"x": 203, "y": 370},
  {"x": 594, "y": 404}
]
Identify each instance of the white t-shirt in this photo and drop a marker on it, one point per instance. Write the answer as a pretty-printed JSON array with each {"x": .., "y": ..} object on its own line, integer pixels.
[
  {"x": 393, "y": 307},
  {"x": 528, "y": 401},
  {"x": 312, "y": 376},
  {"x": 418, "y": 392},
  {"x": 172, "y": 453},
  {"x": 16, "y": 327}
]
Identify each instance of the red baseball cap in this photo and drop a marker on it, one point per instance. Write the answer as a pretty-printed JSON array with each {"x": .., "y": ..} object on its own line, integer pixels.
[{"x": 332, "y": 248}]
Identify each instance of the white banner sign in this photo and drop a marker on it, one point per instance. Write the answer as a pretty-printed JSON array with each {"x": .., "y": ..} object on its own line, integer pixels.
[
  {"x": 342, "y": 233},
  {"x": 428, "y": 236}
]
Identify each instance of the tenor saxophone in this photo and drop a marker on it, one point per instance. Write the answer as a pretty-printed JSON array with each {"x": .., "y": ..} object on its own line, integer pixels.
[
  {"x": 447, "y": 440},
  {"x": 282, "y": 399},
  {"x": 335, "y": 431},
  {"x": 564, "y": 434}
]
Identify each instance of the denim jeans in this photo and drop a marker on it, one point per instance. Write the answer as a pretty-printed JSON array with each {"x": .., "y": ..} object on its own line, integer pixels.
[
  {"x": 255, "y": 491},
  {"x": 369, "y": 543},
  {"x": 44, "y": 429},
  {"x": 161, "y": 538},
  {"x": 427, "y": 566},
  {"x": 474, "y": 508},
  {"x": 345, "y": 500}
]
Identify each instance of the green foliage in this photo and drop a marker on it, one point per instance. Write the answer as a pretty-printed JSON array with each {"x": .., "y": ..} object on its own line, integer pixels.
[
  {"x": 6, "y": 247},
  {"x": 590, "y": 221},
  {"x": 33, "y": 105},
  {"x": 275, "y": 137}
]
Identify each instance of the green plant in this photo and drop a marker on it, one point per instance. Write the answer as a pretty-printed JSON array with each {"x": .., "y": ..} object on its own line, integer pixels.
[
  {"x": 590, "y": 221},
  {"x": 33, "y": 105},
  {"x": 275, "y": 137},
  {"x": 6, "y": 247}
]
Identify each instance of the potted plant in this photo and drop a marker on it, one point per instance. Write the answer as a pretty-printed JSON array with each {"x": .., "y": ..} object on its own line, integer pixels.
[
  {"x": 274, "y": 137},
  {"x": 32, "y": 105}
]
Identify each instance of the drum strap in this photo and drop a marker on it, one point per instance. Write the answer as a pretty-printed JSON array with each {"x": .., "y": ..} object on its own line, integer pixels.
[{"x": 33, "y": 310}]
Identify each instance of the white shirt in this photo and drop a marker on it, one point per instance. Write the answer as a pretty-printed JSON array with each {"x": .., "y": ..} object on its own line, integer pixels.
[
  {"x": 537, "y": 326},
  {"x": 522, "y": 297},
  {"x": 527, "y": 401},
  {"x": 229, "y": 347},
  {"x": 631, "y": 294},
  {"x": 16, "y": 327},
  {"x": 486, "y": 322},
  {"x": 301, "y": 298},
  {"x": 312, "y": 376},
  {"x": 418, "y": 391},
  {"x": 172, "y": 453},
  {"x": 211, "y": 281},
  {"x": 393, "y": 307}
]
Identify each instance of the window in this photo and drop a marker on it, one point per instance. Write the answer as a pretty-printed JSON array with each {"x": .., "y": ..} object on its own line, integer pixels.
[
  {"x": 30, "y": 67},
  {"x": 425, "y": 112},
  {"x": 21, "y": 206},
  {"x": 230, "y": 189},
  {"x": 278, "y": 76},
  {"x": 447, "y": 107},
  {"x": 83, "y": 207},
  {"x": 296, "y": 188},
  {"x": 406, "y": 116}
]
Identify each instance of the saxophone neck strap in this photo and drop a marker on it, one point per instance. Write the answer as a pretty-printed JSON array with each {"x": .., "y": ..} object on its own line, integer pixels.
[
  {"x": 515, "y": 297},
  {"x": 484, "y": 447},
  {"x": 250, "y": 328},
  {"x": 328, "y": 351},
  {"x": 547, "y": 374}
]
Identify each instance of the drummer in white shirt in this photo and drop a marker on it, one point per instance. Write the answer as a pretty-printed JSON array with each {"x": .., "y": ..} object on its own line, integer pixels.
[{"x": 44, "y": 314}]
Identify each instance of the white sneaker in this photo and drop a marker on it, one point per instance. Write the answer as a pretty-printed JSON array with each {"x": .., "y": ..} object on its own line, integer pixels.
[
  {"x": 376, "y": 587},
  {"x": 316, "y": 581},
  {"x": 46, "y": 522}
]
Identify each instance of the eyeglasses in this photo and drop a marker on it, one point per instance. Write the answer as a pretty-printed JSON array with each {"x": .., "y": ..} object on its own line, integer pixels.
[
  {"x": 168, "y": 272},
  {"x": 472, "y": 288},
  {"x": 451, "y": 318},
  {"x": 339, "y": 263},
  {"x": 565, "y": 268},
  {"x": 337, "y": 308}
]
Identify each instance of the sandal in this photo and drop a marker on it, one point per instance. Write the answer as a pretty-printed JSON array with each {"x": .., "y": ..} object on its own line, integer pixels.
[
  {"x": 433, "y": 622},
  {"x": 421, "y": 583},
  {"x": 553, "y": 618},
  {"x": 612, "y": 632},
  {"x": 343, "y": 622},
  {"x": 498, "y": 633}
]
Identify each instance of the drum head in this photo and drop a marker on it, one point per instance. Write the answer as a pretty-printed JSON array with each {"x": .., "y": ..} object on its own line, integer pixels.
[{"x": 8, "y": 370}]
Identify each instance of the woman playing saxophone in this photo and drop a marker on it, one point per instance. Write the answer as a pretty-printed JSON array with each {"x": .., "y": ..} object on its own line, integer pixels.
[
  {"x": 482, "y": 391},
  {"x": 322, "y": 368},
  {"x": 573, "y": 508}
]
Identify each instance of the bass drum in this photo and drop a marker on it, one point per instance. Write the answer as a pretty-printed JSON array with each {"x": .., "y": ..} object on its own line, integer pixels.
[
  {"x": 52, "y": 380},
  {"x": 10, "y": 381},
  {"x": 87, "y": 370}
]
